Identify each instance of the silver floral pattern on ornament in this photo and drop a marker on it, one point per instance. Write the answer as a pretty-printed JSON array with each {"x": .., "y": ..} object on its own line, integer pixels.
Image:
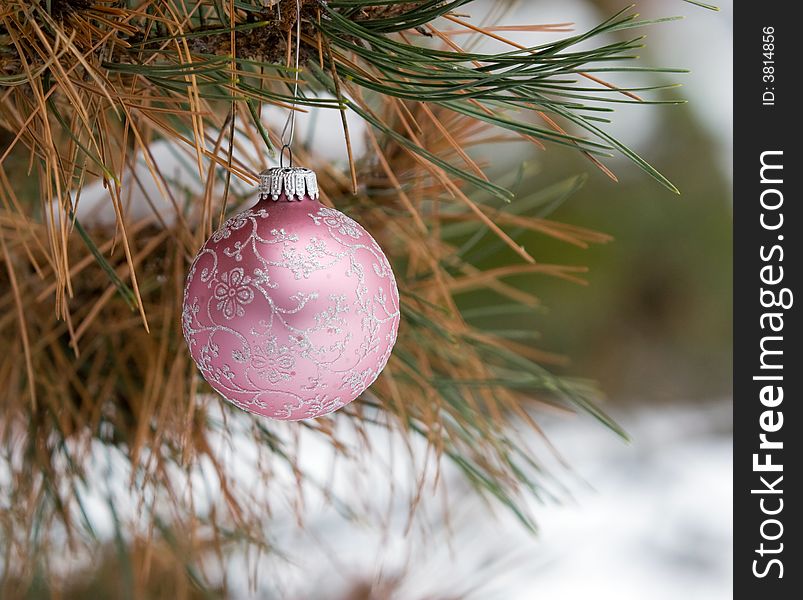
[
  {"x": 291, "y": 309},
  {"x": 233, "y": 293},
  {"x": 337, "y": 221}
]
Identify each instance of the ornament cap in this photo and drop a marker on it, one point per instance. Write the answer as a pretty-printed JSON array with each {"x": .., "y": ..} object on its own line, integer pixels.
[{"x": 294, "y": 182}]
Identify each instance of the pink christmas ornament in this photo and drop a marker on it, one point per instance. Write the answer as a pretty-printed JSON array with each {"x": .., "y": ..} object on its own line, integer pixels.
[{"x": 290, "y": 309}]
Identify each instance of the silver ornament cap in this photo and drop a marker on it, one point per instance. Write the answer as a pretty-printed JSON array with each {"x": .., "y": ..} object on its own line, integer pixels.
[{"x": 294, "y": 182}]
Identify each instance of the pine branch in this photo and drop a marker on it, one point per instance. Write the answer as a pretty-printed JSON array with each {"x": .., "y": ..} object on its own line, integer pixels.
[{"x": 91, "y": 87}]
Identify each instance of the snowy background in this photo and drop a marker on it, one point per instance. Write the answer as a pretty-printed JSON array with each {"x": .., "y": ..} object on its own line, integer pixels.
[{"x": 649, "y": 519}]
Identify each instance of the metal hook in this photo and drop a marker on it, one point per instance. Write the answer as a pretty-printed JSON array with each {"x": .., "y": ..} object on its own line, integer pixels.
[
  {"x": 290, "y": 123},
  {"x": 289, "y": 156}
]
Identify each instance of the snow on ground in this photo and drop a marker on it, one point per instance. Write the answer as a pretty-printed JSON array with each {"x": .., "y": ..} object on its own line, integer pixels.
[{"x": 650, "y": 519}]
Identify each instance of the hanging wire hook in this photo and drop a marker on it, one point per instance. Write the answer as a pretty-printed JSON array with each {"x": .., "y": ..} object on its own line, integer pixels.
[
  {"x": 290, "y": 123},
  {"x": 289, "y": 156}
]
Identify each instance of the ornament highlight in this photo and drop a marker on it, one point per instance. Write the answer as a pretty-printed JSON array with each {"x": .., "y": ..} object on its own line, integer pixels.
[{"x": 291, "y": 308}]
